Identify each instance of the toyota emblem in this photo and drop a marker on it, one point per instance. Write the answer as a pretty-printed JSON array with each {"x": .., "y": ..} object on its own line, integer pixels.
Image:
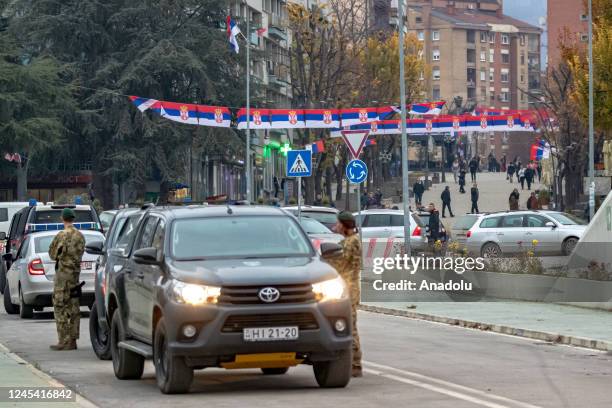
[{"x": 269, "y": 294}]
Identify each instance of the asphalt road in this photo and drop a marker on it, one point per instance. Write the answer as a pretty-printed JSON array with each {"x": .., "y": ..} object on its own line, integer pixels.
[{"x": 407, "y": 363}]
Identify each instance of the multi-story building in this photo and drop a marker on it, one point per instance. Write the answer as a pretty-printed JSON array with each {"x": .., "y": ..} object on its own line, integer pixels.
[{"x": 567, "y": 21}]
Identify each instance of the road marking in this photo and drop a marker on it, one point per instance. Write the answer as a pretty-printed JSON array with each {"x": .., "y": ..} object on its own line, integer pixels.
[{"x": 445, "y": 387}]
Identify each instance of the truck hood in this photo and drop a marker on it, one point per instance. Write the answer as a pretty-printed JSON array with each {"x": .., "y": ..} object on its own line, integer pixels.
[{"x": 246, "y": 272}]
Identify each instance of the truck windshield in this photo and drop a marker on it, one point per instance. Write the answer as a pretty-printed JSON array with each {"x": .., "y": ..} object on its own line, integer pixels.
[{"x": 238, "y": 237}]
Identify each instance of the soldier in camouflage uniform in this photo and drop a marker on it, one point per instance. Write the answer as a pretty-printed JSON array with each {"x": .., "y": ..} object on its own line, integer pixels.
[
  {"x": 349, "y": 267},
  {"x": 67, "y": 250}
]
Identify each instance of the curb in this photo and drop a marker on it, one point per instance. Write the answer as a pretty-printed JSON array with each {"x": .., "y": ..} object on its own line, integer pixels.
[
  {"x": 513, "y": 331},
  {"x": 52, "y": 382}
]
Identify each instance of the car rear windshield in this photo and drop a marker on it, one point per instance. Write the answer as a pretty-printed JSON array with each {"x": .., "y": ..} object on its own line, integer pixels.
[
  {"x": 567, "y": 219},
  {"x": 238, "y": 237},
  {"x": 465, "y": 222},
  {"x": 55, "y": 216},
  {"x": 42, "y": 244},
  {"x": 312, "y": 226}
]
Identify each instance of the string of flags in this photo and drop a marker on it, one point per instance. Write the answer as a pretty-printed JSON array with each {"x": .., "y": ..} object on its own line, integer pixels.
[
  {"x": 540, "y": 150},
  {"x": 13, "y": 157}
]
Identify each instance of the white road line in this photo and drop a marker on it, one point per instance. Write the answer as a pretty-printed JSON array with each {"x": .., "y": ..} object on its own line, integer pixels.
[{"x": 445, "y": 387}]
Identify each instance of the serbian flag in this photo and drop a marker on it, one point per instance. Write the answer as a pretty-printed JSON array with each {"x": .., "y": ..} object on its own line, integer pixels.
[
  {"x": 317, "y": 147},
  {"x": 421, "y": 125},
  {"x": 232, "y": 32},
  {"x": 259, "y": 118},
  {"x": 143, "y": 103},
  {"x": 215, "y": 116},
  {"x": 322, "y": 118},
  {"x": 384, "y": 112},
  {"x": 355, "y": 116},
  {"x": 427, "y": 108},
  {"x": 186, "y": 113},
  {"x": 287, "y": 119},
  {"x": 370, "y": 142}
]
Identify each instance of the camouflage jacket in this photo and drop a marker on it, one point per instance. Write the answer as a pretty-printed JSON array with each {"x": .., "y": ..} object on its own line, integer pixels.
[
  {"x": 66, "y": 250},
  {"x": 348, "y": 265}
]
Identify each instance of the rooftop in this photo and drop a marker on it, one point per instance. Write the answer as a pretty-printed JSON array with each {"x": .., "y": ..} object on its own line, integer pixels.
[{"x": 479, "y": 18}]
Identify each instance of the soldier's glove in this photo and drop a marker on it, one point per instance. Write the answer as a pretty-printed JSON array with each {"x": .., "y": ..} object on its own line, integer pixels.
[{"x": 77, "y": 291}]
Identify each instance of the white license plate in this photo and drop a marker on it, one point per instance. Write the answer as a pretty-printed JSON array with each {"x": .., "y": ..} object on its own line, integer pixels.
[
  {"x": 86, "y": 265},
  {"x": 270, "y": 333}
]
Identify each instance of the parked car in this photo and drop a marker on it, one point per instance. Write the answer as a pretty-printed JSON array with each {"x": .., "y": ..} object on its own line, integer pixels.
[
  {"x": 318, "y": 232},
  {"x": 112, "y": 257},
  {"x": 327, "y": 216},
  {"x": 7, "y": 210},
  {"x": 462, "y": 225},
  {"x": 383, "y": 223},
  {"x": 29, "y": 281},
  {"x": 218, "y": 286},
  {"x": 106, "y": 218},
  {"x": 500, "y": 234}
]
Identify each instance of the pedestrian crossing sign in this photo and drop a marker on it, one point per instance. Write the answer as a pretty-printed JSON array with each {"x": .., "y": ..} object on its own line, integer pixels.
[{"x": 299, "y": 163}]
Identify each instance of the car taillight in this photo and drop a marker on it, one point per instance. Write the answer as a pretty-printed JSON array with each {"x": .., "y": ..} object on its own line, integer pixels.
[
  {"x": 468, "y": 234},
  {"x": 36, "y": 267},
  {"x": 416, "y": 232}
]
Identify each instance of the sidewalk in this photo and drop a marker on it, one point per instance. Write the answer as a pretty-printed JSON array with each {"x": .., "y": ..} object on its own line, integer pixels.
[
  {"x": 542, "y": 321},
  {"x": 16, "y": 372}
]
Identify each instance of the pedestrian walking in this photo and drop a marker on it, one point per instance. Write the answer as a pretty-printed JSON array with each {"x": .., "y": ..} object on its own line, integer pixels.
[
  {"x": 364, "y": 200},
  {"x": 521, "y": 177},
  {"x": 533, "y": 203},
  {"x": 378, "y": 198},
  {"x": 513, "y": 200},
  {"x": 276, "y": 186},
  {"x": 455, "y": 169},
  {"x": 511, "y": 169},
  {"x": 433, "y": 227},
  {"x": 446, "y": 202},
  {"x": 348, "y": 266},
  {"x": 474, "y": 193},
  {"x": 529, "y": 175},
  {"x": 539, "y": 171},
  {"x": 503, "y": 163},
  {"x": 462, "y": 173},
  {"x": 66, "y": 250},
  {"x": 418, "y": 189},
  {"x": 473, "y": 165}
]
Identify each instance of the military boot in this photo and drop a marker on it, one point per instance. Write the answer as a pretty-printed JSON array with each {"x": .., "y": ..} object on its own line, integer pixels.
[
  {"x": 58, "y": 346},
  {"x": 357, "y": 372},
  {"x": 70, "y": 345}
]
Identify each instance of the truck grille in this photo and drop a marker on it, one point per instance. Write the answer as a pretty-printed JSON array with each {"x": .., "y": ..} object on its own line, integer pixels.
[
  {"x": 304, "y": 321},
  {"x": 247, "y": 295}
]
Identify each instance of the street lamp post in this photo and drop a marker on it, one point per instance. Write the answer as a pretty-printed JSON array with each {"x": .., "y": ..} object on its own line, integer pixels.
[
  {"x": 591, "y": 125},
  {"x": 405, "y": 184}
]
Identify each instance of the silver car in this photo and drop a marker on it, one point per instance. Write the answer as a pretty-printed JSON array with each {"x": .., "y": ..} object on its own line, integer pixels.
[
  {"x": 319, "y": 233},
  {"x": 384, "y": 224},
  {"x": 499, "y": 234},
  {"x": 30, "y": 279}
]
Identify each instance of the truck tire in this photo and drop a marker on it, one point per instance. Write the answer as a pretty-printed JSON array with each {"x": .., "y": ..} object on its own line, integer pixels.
[
  {"x": 8, "y": 305},
  {"x": 2, "y": 276},
  {"x": 126, "y": 364},
  {"x": 173, "y": 375},
  {"x": 335, "y": 373},
  {"x": 25, "y": 311},
  {"x": 275, "y": 371},
  {"x": 100, "y": 339}
]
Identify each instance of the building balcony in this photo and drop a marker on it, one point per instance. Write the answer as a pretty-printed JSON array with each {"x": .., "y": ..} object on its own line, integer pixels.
[{"x": 471, "y": 83}]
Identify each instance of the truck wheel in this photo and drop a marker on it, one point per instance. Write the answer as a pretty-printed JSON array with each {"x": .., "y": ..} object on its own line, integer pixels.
[
  {"x": 491, "y": 250},
  {"x": 173, "y": 375},
  {"x": 100, "y": 339},
  {"x": 8, "y": 305},
  {"x": 275, "y": 371},
  {"x": 2, "y": 276},
  {"x": 127, "y": 364},
  {"x": 335, "y": 373},
  {"x": 25, "y": 311},
  {"x": 568, "y": 245}
]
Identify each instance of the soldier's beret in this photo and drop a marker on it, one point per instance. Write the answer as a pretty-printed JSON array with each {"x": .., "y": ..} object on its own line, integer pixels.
[
  {"x": 346, "y": 216},
  {"x": 68, "y": 214}
]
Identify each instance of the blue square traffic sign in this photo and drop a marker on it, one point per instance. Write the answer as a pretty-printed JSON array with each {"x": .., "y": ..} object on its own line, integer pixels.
[{"x": 299, "y": 163}]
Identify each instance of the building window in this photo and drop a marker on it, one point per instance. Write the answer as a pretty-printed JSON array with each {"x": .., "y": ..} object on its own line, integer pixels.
[
  {"x": 483, "y": 56},
  {"x": 435, "y": 95},
  {"x": 584, "y": 17},
  {"x": 504, "y": 96},
  {"x": 420, "y": 54},
  {"x": 491, "y": 55},
  {"x": 435, "y": 36},
  {"x": 418, "y": 19},
  {"x": 471, "y": 56},
  {"x": 491, "y": 74},
  {"x": 584, "y": 37},
  {"x": 506, "y": 58},
  {"x": 522, "y": 77},
  {"x": 435, "y": 74},
  {"x": 522, "y": 57},
  {"x": 436, "y": 55},
  {"x": 471, "y": 93},
  {"x": 483, "y": 93},
  {"x": 422, "y": 76},
  {"x": 505, "y": 39},
  {"x": 421, "y": 35},
  {"x": 483, "y": 75},
  {"x": 471, "y": 36},
  {"x": 505, "y": 76},
  {"x": 492, "y": 38},
  {"x": 483, "y": 36},
  {"x": 522, "y": 39}
]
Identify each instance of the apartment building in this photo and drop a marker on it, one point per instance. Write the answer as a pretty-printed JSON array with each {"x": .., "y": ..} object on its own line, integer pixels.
[{"x": 567, "y": 20}]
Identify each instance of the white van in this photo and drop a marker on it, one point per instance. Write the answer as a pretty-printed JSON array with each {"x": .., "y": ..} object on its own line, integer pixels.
[{"x": 7, "y": 210}]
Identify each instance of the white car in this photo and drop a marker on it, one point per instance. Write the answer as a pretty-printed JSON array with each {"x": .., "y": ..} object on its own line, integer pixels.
[
  {"x": 384, "y": 224},
  {"x": 29, "y": 284}
]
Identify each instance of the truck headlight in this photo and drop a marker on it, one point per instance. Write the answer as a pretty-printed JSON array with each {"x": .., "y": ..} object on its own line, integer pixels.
[
  {"x": 333, "y": 289},
  {"x": 193, "y": 294}
]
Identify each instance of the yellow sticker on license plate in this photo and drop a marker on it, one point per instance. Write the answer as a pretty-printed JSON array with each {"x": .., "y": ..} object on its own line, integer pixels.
[{"x": 263, "y": 360}]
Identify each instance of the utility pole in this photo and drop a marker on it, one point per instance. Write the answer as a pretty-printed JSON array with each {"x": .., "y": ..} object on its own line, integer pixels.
[
  {"x": 405, "y": 183},
  {"x": 591, "y": 124},
  {"x": 247, "y": 161}
]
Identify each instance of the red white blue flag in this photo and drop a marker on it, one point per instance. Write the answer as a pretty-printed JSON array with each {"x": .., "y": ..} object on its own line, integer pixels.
[
  {"x": 259, "y": 119},
  {"x": 317, "y": 147},
  {"x": 186, "y": 113},
  {"x": 215, "y": 116},
  {"x": 322, "y": 118},
  {"x": 287, "y": 119},
  {"x": 427, "y": 108},
  {"x": 232, "y": 32},
  {"x": 143, "y": 103},
  {"x": 355, "y": 116}
]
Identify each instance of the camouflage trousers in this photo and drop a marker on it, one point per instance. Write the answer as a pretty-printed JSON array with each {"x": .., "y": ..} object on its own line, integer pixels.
[
  {"x": 67, "y": 312},
  {"x": 356, "y": 343}
]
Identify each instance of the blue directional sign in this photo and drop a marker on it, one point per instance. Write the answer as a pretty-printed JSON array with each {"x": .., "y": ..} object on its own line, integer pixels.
[
  {"x": 356, "y": 171},
  {"x": 299, "y": 163}
]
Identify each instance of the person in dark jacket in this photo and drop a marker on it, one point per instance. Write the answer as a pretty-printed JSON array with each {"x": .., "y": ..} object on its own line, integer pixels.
[
  {"x": 473, "y": 165},
  {"x": 529, "y": 175},
  {"x": 446, "y": 202},
  {"x": 474, "y": 196},
  {"x": 511, "y": 169},
  {"x": 378, "y": 198},
  {"x": 533, "y": 203},
  {"x": 433, "y": 232},
  {"x": 462, "y": 180},
  {"x": 364, "y": 200},
  {"x": 513, "y": 200},
  {"x": 418, "y": 189}
]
